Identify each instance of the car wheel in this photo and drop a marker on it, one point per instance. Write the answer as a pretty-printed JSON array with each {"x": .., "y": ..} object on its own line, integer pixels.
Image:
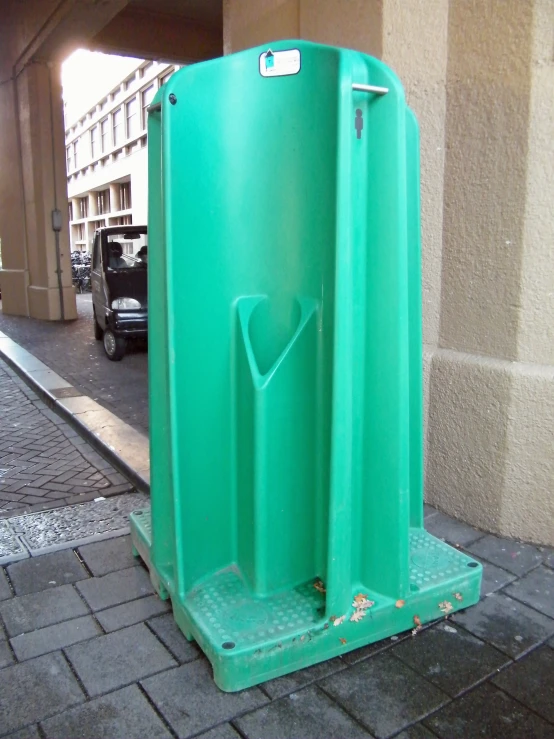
[
  {"x": 98, "y": 333},
  {"x": 114, "y": 346}
]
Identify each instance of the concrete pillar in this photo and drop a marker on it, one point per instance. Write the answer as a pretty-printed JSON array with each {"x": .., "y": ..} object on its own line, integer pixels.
[
  {"x": 92, "y": 204},
  {"x": 115, "y": 201},
  {"x": 33, "y": 184},
  {"x": 14, "y": 275},
  {"x": 478, "y": 74},
  {"x": 89, "y": 233},
  {"x": 491, "y": 427}
]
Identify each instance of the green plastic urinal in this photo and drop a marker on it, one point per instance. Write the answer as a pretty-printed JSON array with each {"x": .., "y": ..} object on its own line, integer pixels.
[{"x": 286, "y": 520}]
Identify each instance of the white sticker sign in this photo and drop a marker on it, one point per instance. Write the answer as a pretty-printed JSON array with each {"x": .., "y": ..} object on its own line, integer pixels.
[{"x": 280, "y": 63}]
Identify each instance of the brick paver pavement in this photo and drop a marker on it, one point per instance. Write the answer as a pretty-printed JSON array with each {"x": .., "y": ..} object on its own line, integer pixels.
[
  {"x": 44, "y": 463},
  {"x": 88, "y": 650},
  {"x": 70, "y": 350}
]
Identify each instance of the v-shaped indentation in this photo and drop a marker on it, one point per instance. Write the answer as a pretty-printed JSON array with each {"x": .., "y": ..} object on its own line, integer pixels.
[{"x": 269, "y": 334}]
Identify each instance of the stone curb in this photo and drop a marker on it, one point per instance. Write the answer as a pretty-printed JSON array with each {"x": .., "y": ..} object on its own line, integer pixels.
[{"x": 121, "y": 445}]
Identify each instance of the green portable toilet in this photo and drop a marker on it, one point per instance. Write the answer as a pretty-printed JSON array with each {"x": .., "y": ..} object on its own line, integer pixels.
[{"x": 286, "y": 520}]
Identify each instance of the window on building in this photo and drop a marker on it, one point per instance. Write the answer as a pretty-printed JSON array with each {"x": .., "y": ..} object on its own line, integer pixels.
[
  {"x": 125, "y": 195},
  {"x": 122, "y": 221},
  {"x": 103, "y": 135},
  {"x": 117, "y": 126},
  {"x": 145, "y": 68},
  {"x": 165, "y": 78},
  {"x": 76, "y": 152},
  {"x": 80, "y": 232},
  {"x": 69, "y": 157},
  {"x": 83, "y": 207},
  {"x": 94, "y": 142},
  {"x": 70, "y": 211},
  {"x": 146, "y": 98},
  {"x": 103, "y": 201},
  {"x": 131, "y": 110}
]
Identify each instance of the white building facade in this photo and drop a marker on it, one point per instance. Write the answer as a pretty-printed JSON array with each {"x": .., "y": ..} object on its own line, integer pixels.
[{"x": 107, "y": 162}]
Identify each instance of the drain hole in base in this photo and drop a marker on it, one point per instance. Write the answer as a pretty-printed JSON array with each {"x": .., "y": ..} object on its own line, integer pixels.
[
  {"x": 228, "y": 645},
  {"x": 473, "y": 564}
]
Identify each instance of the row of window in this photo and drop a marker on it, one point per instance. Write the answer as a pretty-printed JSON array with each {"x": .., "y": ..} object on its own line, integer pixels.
[
  {"x": 126, "y": 123},
  {"x": 79, "y": 232},
  {"x": 125, "y": 85},
  {"x": 103, "y": 204}
]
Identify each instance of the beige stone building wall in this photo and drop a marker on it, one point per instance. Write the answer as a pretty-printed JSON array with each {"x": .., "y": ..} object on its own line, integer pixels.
[
  {"x": 479, "y": 76},
  {"x": 31, "y": 186},
  {"x": 491, "y": 423}
]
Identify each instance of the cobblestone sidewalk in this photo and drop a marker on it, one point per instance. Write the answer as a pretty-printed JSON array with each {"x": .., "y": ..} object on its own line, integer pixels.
[
  {"x": 88, "y": 651},
  {"x": 44, "y": 463}
]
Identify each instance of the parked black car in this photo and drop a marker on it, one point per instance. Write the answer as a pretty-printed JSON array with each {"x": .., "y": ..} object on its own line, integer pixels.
[{"x": 119, "y": 282}]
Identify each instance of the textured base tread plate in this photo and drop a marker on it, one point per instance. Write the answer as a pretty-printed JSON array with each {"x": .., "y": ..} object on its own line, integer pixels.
[{"x": 249, "y": 639}]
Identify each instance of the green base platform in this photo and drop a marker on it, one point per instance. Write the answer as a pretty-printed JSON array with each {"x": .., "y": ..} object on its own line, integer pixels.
[{"x": 250, "y": 640}]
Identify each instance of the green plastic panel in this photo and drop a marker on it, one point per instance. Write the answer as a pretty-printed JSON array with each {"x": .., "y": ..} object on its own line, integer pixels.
[{"x": 285, "y": 363}]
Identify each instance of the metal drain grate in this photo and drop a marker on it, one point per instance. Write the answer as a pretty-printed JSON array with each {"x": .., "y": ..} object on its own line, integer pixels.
[
  {"x": 11, "y": 548},
  {"x": 76, "y": 524}
]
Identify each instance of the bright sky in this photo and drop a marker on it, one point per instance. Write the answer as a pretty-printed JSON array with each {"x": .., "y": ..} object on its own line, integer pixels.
[{"x": 89, "y": 75}]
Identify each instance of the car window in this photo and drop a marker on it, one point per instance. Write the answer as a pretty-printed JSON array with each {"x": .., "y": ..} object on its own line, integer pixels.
[
  {"x": 120, "y": 261},
  {"x": 127, "y": 250},
  {"x": 96, "y": 253}
]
